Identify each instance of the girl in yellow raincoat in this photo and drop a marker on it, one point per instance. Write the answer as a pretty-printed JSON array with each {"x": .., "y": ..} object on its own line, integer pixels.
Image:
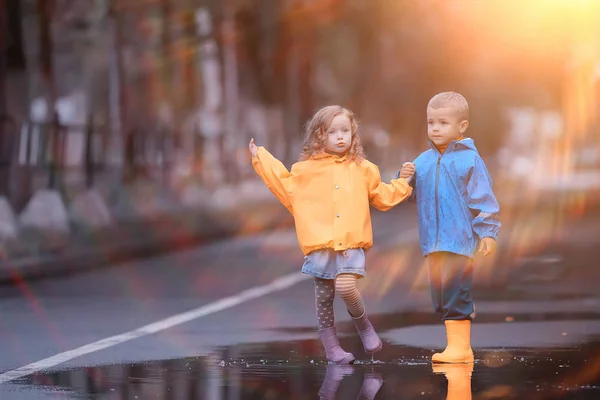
[{"x": 329, "y": 192}]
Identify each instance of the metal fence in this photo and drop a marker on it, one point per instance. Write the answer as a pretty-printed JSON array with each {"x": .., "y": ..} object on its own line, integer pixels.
[
  {"x": 36, "y": 155},
  {"x": 54, "y": 147}
]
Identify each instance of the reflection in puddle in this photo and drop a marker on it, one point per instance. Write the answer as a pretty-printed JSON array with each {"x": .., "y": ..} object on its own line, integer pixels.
[
  {"x": 372, "y": 382},
  {"x": 459, "y": 379},
  {"x": 295, "y": 371}
]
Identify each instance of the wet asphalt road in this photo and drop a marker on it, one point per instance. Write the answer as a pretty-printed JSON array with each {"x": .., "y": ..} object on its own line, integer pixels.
[{"x": 537, "y": 333}]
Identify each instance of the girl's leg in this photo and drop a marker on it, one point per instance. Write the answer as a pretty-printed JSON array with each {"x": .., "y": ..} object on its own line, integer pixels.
[
  {"x": 324, "y": 295},
  {"x": 345, "y": 285}
]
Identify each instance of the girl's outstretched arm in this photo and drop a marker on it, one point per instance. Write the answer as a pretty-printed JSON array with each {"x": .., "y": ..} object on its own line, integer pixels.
[
  {"x": 273, "y": 173},
  {"x": 384, "y": 196}
]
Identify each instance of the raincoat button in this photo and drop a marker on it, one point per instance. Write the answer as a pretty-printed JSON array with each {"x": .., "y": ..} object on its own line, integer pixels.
[
  {"x": 338, "y": 215},
  {"x": 337, "y": 187}
]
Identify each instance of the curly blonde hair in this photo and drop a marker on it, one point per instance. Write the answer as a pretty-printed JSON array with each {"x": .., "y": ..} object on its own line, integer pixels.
[{"x": 315, "y": 134}]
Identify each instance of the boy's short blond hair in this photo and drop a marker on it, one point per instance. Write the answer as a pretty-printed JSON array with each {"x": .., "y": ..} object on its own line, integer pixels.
[{"x": 451, "y": 99}]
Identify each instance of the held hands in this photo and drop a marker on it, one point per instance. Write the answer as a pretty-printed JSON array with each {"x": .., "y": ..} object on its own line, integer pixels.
[
  {"x": 408, "y": 171},
  {"x": 252, "y": 147},
  {"x": 487, "y": 246}
]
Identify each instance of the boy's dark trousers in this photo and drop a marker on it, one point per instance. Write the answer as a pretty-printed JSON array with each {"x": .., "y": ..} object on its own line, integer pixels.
[{"x": 450, "y": 281}]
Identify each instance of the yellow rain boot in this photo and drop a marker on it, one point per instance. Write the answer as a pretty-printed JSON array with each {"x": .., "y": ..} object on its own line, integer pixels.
[
  {"x": 459, "y": 380},
  {"x": 459, "y": 343}
]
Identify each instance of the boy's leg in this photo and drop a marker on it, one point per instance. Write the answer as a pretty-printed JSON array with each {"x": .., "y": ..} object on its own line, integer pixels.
[
  {"x": 435, "y": 263},
  {"x": 324, "y": 295},
  {"x": 345, "y": 285},
  {"x": 457, "y": 282},
  {"x": 457, "y": 304}
]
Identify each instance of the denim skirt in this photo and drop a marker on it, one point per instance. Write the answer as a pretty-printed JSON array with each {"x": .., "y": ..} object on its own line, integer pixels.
[{"x": 328, "y": 263}]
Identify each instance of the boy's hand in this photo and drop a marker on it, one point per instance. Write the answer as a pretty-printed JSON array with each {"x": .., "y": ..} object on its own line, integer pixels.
[
  {"x": 407, "y": 171},
  {"x": 487, "y": 246},
  {"x": 252, "y": 147}
]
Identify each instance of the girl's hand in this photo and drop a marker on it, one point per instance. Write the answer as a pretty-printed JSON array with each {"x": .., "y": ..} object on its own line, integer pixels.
[
  {"x": 253, "y": 148},
  {"x": 487, "y": 246},
  {"x": 408, "y": 170}
]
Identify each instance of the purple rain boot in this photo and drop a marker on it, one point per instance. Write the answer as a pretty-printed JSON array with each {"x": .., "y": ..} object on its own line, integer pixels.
[
  {"x": 368, "y": 336},
  {"x": 333, "y": 351},
  {"x": 333, "y": 377}
]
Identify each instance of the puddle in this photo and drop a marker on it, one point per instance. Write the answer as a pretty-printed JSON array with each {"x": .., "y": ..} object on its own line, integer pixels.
[{"x": 294, "y": 370}]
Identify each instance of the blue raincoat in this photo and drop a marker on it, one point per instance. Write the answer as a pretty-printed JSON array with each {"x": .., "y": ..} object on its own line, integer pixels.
[{"x": 456, "y": 206}]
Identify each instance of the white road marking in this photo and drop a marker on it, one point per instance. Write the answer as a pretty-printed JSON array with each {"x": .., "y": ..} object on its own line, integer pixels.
[
  {"x": 278, "y": 284},
  {"x": 211, "y": 308}
]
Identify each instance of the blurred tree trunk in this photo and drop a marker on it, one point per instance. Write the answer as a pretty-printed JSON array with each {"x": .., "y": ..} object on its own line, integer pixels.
[
  {"x": 292, "y": 98},
  {"x": 4, "y": 128},
  {"x": 45, "y": 11},
  {"x": 302, "y": 21},
  {"x": 231, "y": 89}
]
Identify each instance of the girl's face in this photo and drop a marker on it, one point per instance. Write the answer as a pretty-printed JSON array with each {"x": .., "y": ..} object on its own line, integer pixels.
[{"x": 339, "y": 135}]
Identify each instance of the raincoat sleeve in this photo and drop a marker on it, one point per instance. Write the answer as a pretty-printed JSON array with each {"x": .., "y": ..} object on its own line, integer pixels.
[
  {"x": 275, "y": 175},
  {"x": 384, "y": 196},
  {"x": 482, "y": 202},
  {"x": 413, "y": 185}
]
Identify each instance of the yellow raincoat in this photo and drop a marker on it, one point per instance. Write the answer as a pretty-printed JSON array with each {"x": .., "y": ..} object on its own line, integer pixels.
[{"x": 329, "y": 197}]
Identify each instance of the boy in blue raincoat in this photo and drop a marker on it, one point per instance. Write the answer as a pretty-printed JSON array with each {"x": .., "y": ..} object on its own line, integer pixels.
[{"x": 457, "y": 212}]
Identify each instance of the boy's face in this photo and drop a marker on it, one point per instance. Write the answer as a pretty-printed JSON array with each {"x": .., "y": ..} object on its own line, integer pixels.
[
  {"x": 444, "y": 125},
  {"x": 339, "y": 135}
]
